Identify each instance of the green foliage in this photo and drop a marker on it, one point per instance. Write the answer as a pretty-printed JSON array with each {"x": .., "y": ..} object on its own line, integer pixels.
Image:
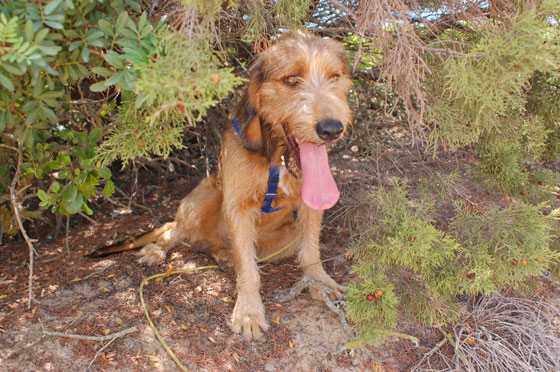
[
  {"x": 372, "y": 317},
  {"x": 47, "y": 52},
  {"x": 370, "y": 57},
  {"x": 287, "y": 13},
  {"x": 438, "y": 187},
  {"x": 55, "y": 51},
  {"x": 504, "y": 247},
  {"x": 481, "y": 95},
  {"x": 423, "y": 269},
  {"x": 404, "y": 250},
  {"x": 176, "y": 79},
  {"x": 76, "y": 173},
  {"x": 134, "y": 136},
  {"x": 504, "y": 152},
  {"x": 543, "y": 101},
  {"x": 488, "y": 82},
  {"x": 293, "y": 12}
]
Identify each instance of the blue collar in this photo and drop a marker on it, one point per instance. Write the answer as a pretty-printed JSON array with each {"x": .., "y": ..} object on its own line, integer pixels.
[{"x": 273, "y": 176}]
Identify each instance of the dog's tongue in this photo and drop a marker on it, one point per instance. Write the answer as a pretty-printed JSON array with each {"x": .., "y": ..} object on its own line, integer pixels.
[{"x": 319, "y": 190}]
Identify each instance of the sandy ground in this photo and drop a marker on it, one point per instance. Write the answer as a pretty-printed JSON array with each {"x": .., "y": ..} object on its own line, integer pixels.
[{"x": 76, "y": 295}]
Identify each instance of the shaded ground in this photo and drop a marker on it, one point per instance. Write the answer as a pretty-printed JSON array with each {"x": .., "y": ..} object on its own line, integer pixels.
[{"x": 77, "y": 295}]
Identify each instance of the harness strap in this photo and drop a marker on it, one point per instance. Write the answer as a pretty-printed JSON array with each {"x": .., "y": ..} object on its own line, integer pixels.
[
  {"x": 273, "y": 180},
  {"x": 235, "y": 122}
]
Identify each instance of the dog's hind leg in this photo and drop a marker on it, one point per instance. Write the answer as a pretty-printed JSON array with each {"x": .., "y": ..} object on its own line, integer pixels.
[
  {"x": 197, "y": 220},
  {"x": 155, "y": 253}
]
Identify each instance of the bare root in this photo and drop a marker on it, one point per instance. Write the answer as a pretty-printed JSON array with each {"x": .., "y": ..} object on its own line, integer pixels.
[{"x": 309, "y": 283}]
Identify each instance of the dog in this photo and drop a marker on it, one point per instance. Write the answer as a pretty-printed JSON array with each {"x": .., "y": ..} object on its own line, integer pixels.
[{"x": 273, "y": 179}]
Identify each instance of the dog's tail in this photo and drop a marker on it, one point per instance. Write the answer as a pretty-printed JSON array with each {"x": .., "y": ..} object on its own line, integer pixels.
[{"x": 132, "y": 243}]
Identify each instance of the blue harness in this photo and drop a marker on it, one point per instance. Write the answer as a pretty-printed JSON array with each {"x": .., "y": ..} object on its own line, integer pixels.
[{"x": 273, "y": 179}]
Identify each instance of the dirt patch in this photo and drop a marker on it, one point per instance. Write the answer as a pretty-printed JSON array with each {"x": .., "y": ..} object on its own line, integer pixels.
[
  {"x": 81, "y": 296},
  {"x": 191, "y": 312}
]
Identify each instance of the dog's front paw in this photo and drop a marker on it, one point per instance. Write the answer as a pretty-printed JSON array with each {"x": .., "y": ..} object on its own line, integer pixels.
[
  {"x": 332, "y": 288},
  {"x": 248, "y": 317},
  {"x": 151, "y": 254}
]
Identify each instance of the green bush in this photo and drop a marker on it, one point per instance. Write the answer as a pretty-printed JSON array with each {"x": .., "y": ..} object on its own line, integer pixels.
[
  {"x": 410, "y": 258},
  {"x": 63, "y": 63},
  {"x": 422, "y": 269},
  {"x": 499, "y": 93}
]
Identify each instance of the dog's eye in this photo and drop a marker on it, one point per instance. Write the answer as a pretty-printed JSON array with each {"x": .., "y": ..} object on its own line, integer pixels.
[
  {"x": 335, "y": 76},
  {"x": 291, "y": 80}
]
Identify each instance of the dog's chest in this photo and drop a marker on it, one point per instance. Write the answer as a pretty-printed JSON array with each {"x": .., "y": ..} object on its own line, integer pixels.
[{"x": 287, "y": 185}]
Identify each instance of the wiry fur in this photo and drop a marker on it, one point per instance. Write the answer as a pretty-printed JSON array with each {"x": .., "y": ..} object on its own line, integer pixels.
[{"x": 222, "y": 216}]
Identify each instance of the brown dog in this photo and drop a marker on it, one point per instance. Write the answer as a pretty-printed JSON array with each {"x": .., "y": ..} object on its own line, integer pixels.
[{"x": 294, "y": 106}]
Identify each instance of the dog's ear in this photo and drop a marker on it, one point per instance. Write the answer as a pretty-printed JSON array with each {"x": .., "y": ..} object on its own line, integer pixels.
[
  {"x": 248, "y": 108},
  {"x": 251, "y": 132},
  {"x": 256, "y": 81}
]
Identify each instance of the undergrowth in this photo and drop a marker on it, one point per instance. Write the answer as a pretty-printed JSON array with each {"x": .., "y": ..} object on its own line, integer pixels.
[{"x": 422, "y": 270}]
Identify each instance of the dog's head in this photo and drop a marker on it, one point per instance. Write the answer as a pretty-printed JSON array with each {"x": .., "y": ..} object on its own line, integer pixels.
[
  {"x": 298, "y": 87},
  {"x": 297, "y": 97}
]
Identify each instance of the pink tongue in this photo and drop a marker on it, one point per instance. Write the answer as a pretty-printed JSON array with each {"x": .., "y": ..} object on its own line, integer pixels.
[{"x": 319, "y": 190}]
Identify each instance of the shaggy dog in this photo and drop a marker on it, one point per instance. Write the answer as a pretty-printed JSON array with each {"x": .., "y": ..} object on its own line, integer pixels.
[{"x": 273, "y": 180}]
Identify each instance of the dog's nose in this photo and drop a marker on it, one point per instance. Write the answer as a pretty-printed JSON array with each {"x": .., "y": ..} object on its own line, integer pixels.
[{"x": 330, "y": 129}]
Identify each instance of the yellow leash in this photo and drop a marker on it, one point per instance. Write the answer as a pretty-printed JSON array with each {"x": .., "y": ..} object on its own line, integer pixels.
[{"x": 194, "y": 269}]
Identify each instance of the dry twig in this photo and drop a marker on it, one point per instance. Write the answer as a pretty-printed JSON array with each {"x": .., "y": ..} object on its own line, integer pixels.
[
  {"x": 98, "y": 353},
  {"x": 98, "y": 272},
  {"x": 66, "y": 240},
  {"x": 76, "y": 336},
  {"x": 16, "y": 206}
]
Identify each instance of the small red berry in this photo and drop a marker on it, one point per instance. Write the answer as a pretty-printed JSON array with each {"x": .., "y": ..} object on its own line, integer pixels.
[
  {"x": 379, "y": 293},
  {"x": 524, "y": 262},
  {"x": 180, "y": 107},
  {"x": 540, "y": 182},
  {"x": 471, "y": 275},
  {"x": 370, "y": 297},
  {"x": 514, "y": 262},
  {"x": 215, "y": 77}
]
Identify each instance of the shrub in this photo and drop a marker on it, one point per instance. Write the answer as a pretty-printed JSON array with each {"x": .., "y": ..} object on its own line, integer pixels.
[
  {"x": 422, "y": 269},
  {"x": 498, "y": 93},
  {"x": 77, "y": 74}
]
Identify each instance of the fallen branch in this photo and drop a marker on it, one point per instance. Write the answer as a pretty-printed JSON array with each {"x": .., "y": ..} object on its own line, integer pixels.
[
  {"x": 66, "y": 240},
  {"x": 76, "y": 336},
  {"x": 88, "y": 218},
  {"x": 462, "y": 357},
  {"x": 16, "y": 207},
  {"x": 136, "y": 204}
]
